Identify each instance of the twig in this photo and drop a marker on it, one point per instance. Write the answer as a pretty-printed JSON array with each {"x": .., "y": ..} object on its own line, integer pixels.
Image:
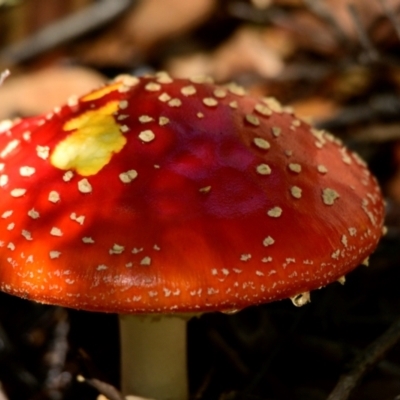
[
  {"x": 265, "y": 367},
  {"x": 68, "y": 28},
  {"x": 104, "y": 388},
  {"x": 376, "y": 133},
  {"x": 362, "y": 34},
  {"x": 3, "y": 76},
  {"x": 384, "y": 107},
  {"x": 56, "y": 354},
  {"x": 365, "y": 361},
  {"x": 320, "y": 9},
  {"x": 391, "y": 16},
  {"x": 229, "y": 352},
  {"x": 3, "y": 396}
]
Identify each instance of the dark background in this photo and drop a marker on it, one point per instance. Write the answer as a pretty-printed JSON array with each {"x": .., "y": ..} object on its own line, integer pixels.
[{"x": 336, "y": 63}]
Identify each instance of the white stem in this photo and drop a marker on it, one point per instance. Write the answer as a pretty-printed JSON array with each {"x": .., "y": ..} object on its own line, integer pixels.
[{"x": 153, "y": 357}]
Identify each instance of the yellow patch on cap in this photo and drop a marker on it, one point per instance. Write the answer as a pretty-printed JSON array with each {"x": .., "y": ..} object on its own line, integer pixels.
[
  {"x": 95, "y": 137},
  {"x": 98, "y": 94}
]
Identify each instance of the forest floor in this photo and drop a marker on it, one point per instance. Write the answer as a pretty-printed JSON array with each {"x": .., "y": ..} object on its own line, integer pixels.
[{"x": 338, "y": 64}]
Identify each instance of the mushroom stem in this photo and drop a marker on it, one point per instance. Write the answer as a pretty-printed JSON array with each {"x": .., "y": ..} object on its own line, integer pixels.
[{"x": 153, "y": 357}]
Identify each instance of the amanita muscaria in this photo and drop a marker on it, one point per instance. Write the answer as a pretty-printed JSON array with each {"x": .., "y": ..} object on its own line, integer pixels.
[{"x": 159, "y": 196}]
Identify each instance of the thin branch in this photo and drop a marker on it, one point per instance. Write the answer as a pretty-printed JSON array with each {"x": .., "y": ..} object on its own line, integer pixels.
[
  {"x": 3, "y": 76},
  {"x": 362, "y": 34},
  {"x": 64, "y": 30},
  {"x": 365, "y": 361},
  {"x": 56, "y": 354},
  {"x": 104, "y": 388},
  {"x": 320, "y": 9},
  {"x": 3, "y": 396},
  {"x": 391, "y": 16}
]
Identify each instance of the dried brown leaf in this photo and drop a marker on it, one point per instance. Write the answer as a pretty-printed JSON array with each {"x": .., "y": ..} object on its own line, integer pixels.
[
  {"x": 40, "y": 91},
  {"x": 145, "y": 26},
  {"x": 248, "y": 50}
]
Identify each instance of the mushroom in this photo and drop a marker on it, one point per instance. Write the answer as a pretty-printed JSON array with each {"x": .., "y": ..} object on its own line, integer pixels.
[{"x": 163, "y": 197}]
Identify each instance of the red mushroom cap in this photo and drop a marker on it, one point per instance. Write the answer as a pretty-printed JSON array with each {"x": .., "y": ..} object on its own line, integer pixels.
[{"x": 161, "y": 195}]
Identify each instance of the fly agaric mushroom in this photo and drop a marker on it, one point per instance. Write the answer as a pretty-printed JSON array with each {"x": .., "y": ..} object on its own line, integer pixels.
[{"x": 159, "y": 196}]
